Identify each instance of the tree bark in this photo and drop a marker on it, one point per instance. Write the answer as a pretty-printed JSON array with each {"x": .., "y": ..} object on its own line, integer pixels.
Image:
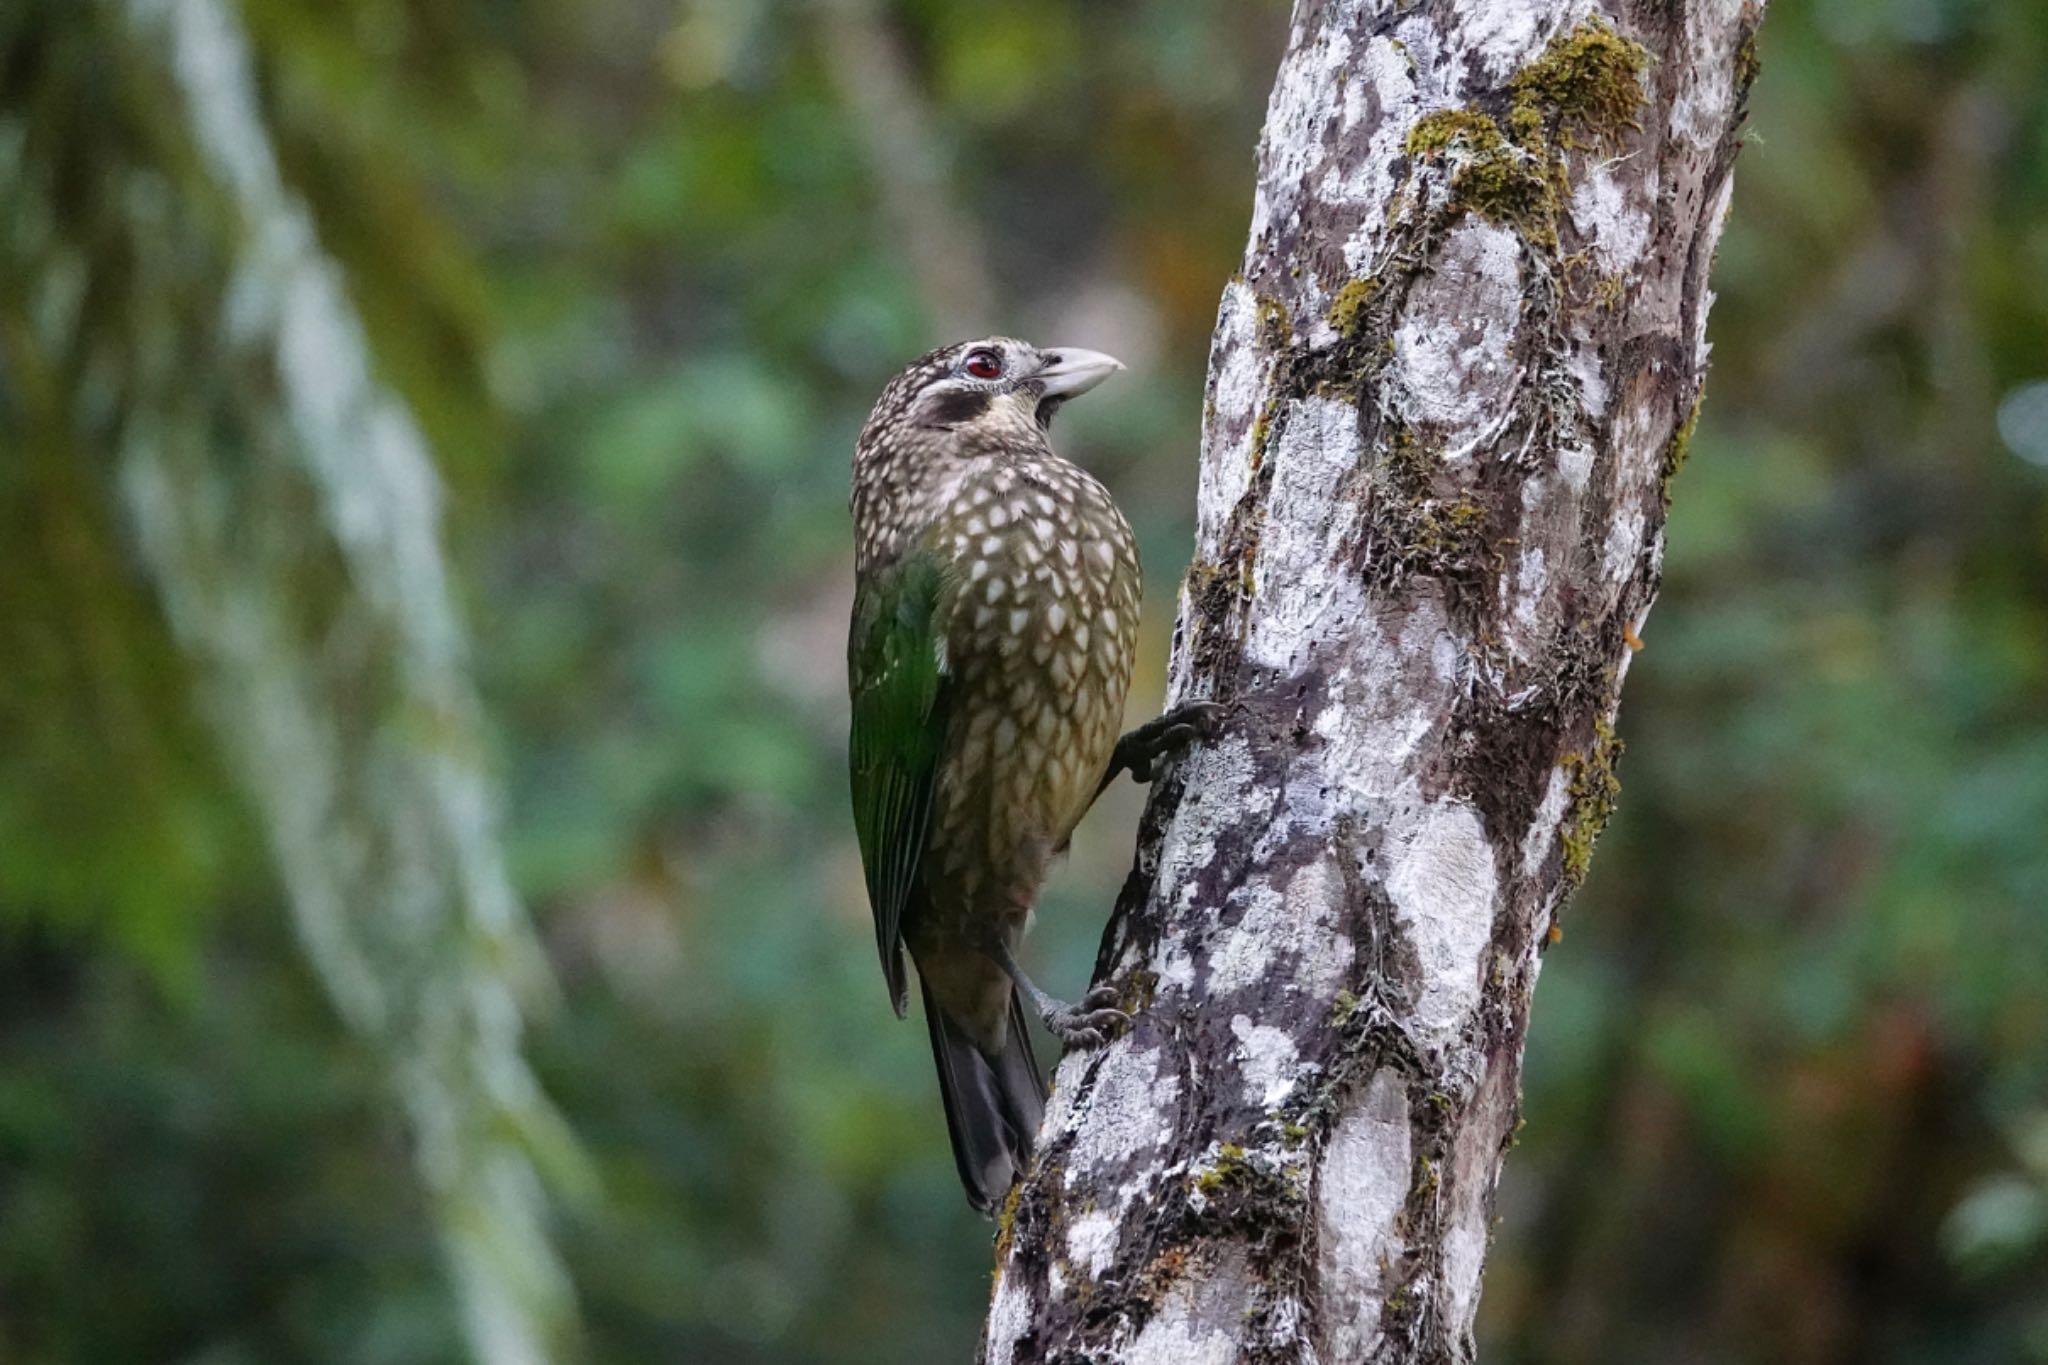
[{"x": 1446, "y": 396}]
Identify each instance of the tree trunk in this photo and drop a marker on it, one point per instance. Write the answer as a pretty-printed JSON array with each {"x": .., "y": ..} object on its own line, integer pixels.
[{"x": 1446, "y": 395}]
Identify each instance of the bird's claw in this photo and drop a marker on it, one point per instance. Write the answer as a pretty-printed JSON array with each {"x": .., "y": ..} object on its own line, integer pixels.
[
  {"x": 1091, "y": 1023},
  {"x": 1143, "y": 748}
]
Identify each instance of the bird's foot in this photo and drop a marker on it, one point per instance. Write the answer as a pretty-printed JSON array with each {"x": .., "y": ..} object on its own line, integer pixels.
[
  {"x": 1140, "y": 752},
  {"x": 1091, "y": 1023}
]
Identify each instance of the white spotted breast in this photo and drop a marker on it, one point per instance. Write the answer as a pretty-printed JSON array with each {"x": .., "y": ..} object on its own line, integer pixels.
[{"x": 1042, "y": 622}]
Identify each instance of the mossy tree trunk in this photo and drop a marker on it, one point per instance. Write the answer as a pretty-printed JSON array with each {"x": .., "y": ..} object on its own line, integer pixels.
[{"x": 1446, "y": 395}]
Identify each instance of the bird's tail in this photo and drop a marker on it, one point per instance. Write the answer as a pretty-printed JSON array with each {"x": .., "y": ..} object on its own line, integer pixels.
[{"x": 993, "y": 1104}]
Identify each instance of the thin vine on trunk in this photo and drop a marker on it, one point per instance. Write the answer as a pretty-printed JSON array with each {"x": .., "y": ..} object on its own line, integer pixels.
[{"x": 1447, "y": 394}]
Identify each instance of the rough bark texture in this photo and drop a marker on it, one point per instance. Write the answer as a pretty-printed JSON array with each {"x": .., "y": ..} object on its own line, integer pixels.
[{"x": 1446, "y": 395}]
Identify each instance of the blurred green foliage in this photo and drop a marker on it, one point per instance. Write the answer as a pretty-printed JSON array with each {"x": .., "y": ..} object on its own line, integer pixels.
[{"x": 633, "y": 267}]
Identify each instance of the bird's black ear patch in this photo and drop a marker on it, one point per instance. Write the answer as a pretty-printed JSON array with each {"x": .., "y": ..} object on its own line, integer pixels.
[{"x": 961, "y": 405}]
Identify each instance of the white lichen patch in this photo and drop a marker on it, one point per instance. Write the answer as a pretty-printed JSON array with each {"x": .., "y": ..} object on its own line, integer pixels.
[
  {"x": 1543, "y": 830},
  {"x": 1175, "y": 967},
  {"x": 1367, "y": 1167},
  {"x": 1443, "y": 886},
  {"x": 1378, "y": 714},
  {"x": 1544, "y": 544},
  {"x": 1315, "y": 448},
  {"x": 1370, "y": 753},
  {"x": 1624, "y": 543},
  {"x": 1584, "y": 365},
  {"x": 1699, "y": 113},
  {"x": 1300, "y": 925},
  {"x": 1501, "y": 36},
  {"x": 1199, "y": 1320},
  {"x": 1575, "y": 466},
  {"x": 1239, "y": 373},
  {"x": 1451, "y": 366},
  {"x": 1221, "y": 784},
  {"x": 1133, "y": 1107},
  {"x": 1643, "y": 429},
  {"x": 1009, "y": 1317},
  {"x": 1382, "y": 89},
  {"x": 1532, "y": 578},
  {"x": 1267, "y": 1059},
  {"x": 1616, "y": 228},
  {"x": 1298, "y": 115},
  {"x": 1092, "y": 1241},
  {"x": 1426, "y": 633},
  {"x": 1384, "y": 75},
  {"x": 1464, "y": 1247}
]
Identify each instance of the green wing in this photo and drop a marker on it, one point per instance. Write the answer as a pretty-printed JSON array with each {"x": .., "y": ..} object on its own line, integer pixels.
[{"x": 898, "y": 674}]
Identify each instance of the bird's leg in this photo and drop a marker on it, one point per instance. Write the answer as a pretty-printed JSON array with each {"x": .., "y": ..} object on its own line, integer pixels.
[
  {"x": 1139, "y": 752},
  {"x": 1089, "y": 1024}
]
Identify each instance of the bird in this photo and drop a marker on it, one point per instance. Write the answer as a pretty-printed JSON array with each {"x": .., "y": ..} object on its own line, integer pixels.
[{"x": 989, "y": 655}]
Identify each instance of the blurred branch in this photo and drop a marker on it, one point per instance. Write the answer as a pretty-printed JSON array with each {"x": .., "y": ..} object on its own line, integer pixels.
[
  {"x": 943, "y": 247},
  {"x": 287, "y": 508},
  {"x": 1909, "y": 266}
]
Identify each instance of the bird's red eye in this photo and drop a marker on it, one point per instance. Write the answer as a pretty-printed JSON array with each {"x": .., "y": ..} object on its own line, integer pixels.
[{"x": 984, "y": 365}]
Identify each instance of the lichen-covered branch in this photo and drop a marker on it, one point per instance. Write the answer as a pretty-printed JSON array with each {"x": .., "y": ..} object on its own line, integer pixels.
[{"x": 1446, "y": 395}]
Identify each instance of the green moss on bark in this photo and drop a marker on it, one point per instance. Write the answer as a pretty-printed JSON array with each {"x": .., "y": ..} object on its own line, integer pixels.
[
  {"x": 1594, "y": 789},
  {"x": 1587, "y": 84},
  {"x": 1490, "y": 175},
  {"x": 1680, "y": 446},
  {"x": 1583, "y": 91},
  {"x": 1348, "y": 309}
]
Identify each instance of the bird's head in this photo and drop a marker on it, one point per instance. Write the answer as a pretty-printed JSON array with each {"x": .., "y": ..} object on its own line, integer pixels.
[{"x": 998, "y": 386}]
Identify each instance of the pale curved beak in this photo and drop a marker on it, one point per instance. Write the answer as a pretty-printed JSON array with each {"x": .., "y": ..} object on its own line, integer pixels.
[{"x": 1070, "y": 371}]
